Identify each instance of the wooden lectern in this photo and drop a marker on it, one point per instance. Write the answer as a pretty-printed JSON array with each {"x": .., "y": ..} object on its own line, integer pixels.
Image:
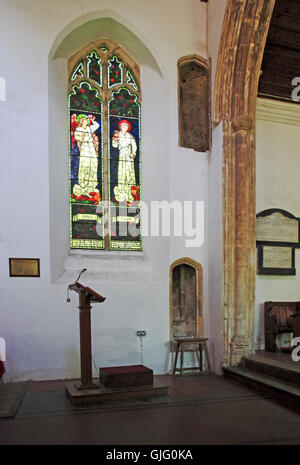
[
  {"x": 86, "y": 392},
  {"x": 86, "y": 297}
]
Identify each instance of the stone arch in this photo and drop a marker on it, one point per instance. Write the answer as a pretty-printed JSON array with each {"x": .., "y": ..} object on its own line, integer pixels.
[
  {"x": 199, "y": 311},
  {"x": 242, "y": 43}
]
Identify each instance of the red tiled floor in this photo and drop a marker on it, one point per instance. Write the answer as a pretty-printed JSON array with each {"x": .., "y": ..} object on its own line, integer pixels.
[{"x": 202, "y": 410}]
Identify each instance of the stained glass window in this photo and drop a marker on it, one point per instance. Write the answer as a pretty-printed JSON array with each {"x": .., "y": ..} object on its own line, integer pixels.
[{"x": 104, "y": 150}]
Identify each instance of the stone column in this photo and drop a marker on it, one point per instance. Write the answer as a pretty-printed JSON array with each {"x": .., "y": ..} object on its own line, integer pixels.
[
  {"x": 242, "y": 43},
  {"x": 243, "y": 263}
]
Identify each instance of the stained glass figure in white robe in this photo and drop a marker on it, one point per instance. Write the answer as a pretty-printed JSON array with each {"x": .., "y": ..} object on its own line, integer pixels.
[
  {"x": 125, "y": 142},
  {"x": 88, "y": 162}
]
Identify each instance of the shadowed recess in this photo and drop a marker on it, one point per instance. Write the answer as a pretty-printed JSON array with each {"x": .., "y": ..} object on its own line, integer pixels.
[{"x": 106, "y": 28}]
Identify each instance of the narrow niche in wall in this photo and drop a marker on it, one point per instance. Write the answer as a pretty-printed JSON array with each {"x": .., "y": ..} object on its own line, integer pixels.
[
  {"x": 194, "y": 103},
  {"x": 186, "y": 299}
]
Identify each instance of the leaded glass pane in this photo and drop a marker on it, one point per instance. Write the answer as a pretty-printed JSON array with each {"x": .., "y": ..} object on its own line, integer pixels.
[
  {"x": 115, "y": 72},
  {"x": 78, "y": 71},
  {"x": 85, "y": 98},
  {"x": 130, "y": 80},
  {"x": 104, "y": 49},
  {"x": 124, "y": 103},
  {"x": 124, "y": 171},
  {"x": 86, "y": 168},
  {"x": 94, "y": 68}
]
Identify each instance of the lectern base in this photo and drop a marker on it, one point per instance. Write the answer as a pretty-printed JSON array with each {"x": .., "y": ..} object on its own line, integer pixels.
[
  {"x": 102, "y": 394},
  {"x": 82, "y": 387}
]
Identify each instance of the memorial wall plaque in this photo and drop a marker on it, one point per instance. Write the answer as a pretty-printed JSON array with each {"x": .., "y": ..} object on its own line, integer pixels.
[
  {"x": 277, "y": 257},
  {"x": 275, "y": 260},
  {"x": 277, "y": 236},
  {"x": 24, "y": 267},
  {"x": 277, "y": 227}
]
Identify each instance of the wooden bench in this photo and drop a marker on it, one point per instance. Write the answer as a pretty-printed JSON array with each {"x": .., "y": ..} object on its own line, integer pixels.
[{"x": 278, "y": 320}]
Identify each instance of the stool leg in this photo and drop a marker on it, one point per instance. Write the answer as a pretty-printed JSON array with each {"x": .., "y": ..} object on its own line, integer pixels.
[
  {"x": 201, "y": 358},
  {"x": 181, "y": 359},
  {"x": 207, "y": 357},
  {"x": 176, "y": 357},
  {"x": 197, "y": 354}
]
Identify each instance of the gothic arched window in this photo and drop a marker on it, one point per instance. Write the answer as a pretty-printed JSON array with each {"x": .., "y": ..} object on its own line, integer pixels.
[{"x": 104, "y": 123}]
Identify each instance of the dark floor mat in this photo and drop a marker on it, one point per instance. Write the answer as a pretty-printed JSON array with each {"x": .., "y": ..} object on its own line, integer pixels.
[
  {"x": 53, "y": 402},
  {"x": 11, "y": 396}
]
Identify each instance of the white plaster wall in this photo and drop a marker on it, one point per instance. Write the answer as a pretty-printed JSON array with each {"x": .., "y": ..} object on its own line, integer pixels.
[
  {"x": 40, "y": 328},
  {"x": 277, "y": 186},
  {"x": 216, "y": 11},
  {"x": 215, "y": 251}
]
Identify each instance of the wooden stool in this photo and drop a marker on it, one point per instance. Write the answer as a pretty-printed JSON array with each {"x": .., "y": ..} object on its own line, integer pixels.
[{"x": 200, "y": 343}]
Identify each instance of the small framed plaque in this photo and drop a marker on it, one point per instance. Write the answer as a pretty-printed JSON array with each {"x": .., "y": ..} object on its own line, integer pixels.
[
  {"x": 24, "y": 267},
  {"x": 277, "y": 227},
  {"x": 274, "y": 260},
  {"x": 277, "y": 236}
]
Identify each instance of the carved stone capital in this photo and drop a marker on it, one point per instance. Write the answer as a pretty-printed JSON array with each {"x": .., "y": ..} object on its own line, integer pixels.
[{"x": 242, "y": 123}]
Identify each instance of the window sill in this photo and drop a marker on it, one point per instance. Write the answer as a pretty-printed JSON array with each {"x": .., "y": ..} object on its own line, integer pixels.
[
  {"x": 106, "y": 266},
  {"x": 107, "y": 254}
]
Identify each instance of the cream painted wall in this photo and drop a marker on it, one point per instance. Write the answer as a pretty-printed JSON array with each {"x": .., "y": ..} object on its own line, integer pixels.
[
  {"x": 40, "y": 328},
  {"x": 277, "y": 186}
]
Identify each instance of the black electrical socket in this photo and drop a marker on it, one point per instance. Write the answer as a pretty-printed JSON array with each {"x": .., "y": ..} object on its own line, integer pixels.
[{"x": 141, "y": 333}]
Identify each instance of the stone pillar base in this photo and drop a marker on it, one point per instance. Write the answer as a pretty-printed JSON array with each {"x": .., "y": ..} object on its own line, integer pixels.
[{"x": 240, "y": 348}]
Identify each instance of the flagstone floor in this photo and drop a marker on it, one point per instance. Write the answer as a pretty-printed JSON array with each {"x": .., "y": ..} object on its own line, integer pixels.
[{"x": 200, "y": 410}]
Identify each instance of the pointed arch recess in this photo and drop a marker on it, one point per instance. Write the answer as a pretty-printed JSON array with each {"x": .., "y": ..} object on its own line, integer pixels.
[
  {"x": 199, "y": 295},
  {"x": 195, "y": 132}
]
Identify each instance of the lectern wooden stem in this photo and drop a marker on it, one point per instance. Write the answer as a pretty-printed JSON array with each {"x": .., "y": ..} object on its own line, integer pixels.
[
  {"x": 86, "y": 296},
  {"x": 85, "y": 342}
]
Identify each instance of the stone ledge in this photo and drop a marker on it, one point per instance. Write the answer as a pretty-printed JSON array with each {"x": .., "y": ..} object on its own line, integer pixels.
[{"x": 276, "y": 111}]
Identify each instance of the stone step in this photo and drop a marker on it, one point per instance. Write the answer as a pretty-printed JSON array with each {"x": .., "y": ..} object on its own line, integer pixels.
[
  {"x": 102, "y": 394},
  {"x": 288, "y": 394},
  {"x": 274, "y": 368}
]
